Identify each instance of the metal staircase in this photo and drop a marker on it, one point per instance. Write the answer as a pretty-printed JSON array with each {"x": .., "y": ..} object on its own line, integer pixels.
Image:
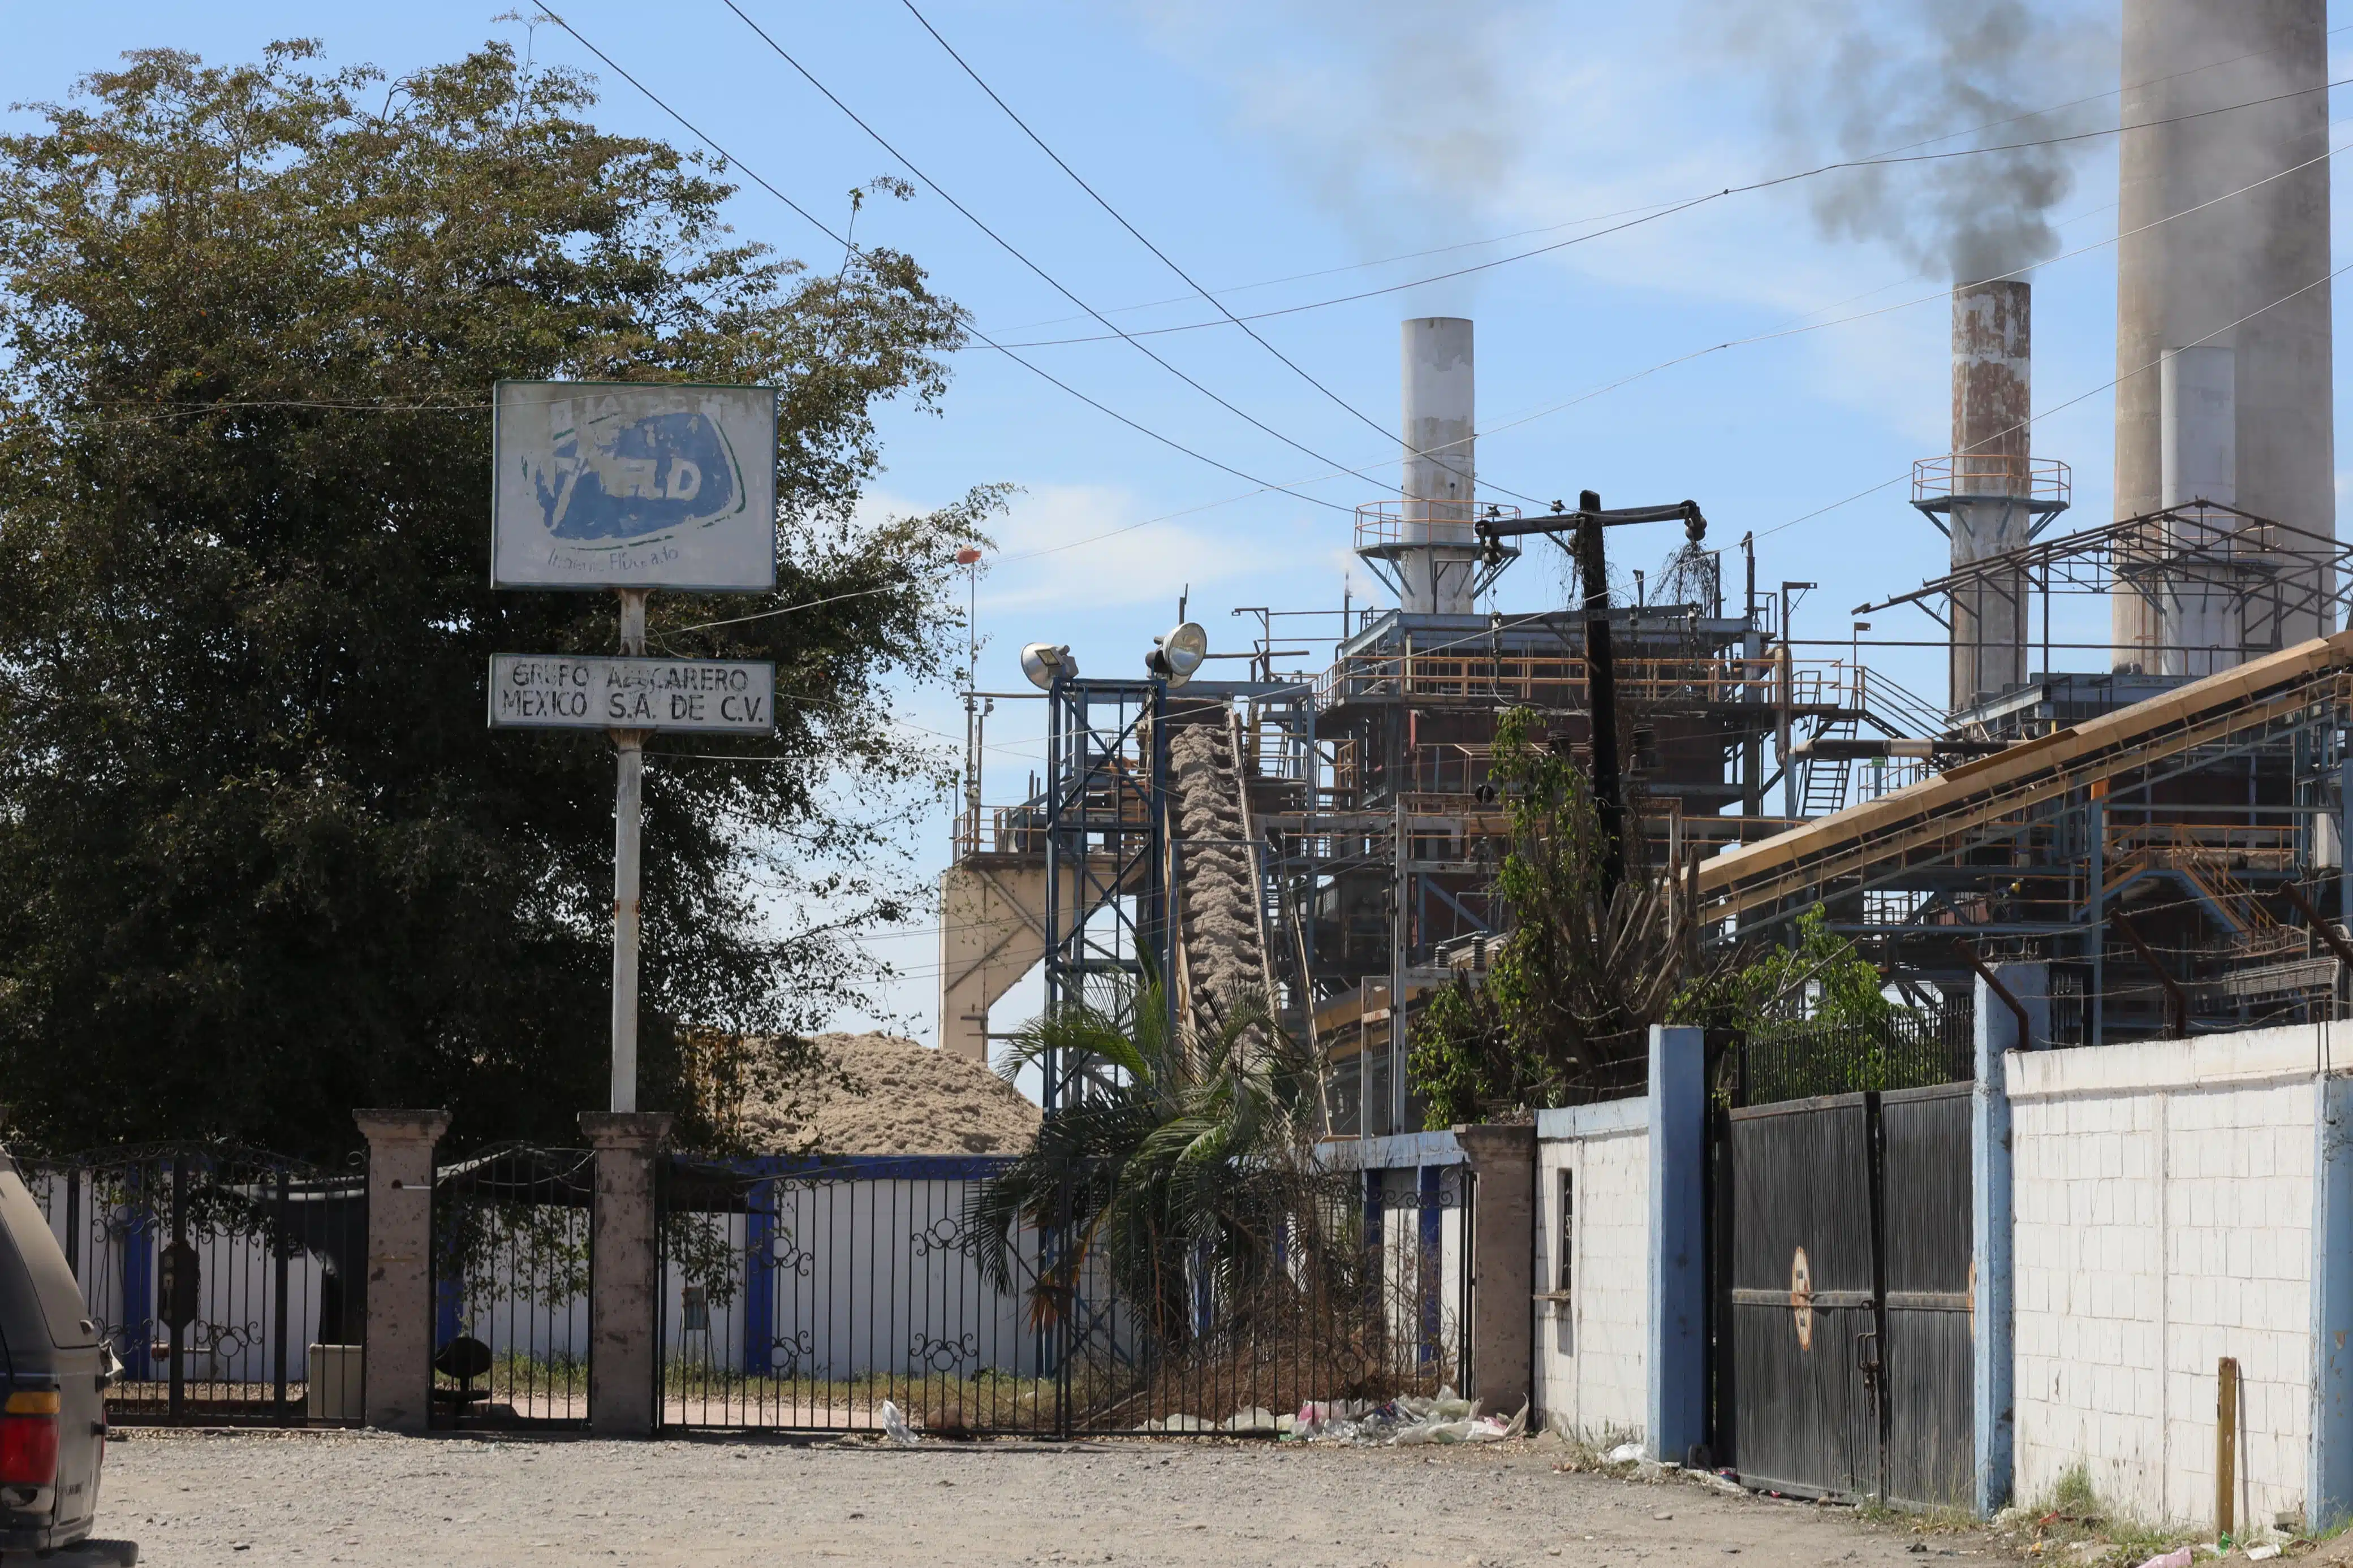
[{"x": 1826, "y": 777}]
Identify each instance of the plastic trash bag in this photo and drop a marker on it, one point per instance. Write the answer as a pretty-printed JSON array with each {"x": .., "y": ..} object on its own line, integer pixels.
[
  {"x": 895, "y": 1427},
  {"x": 1633, "y": 1453},
  {"x": 2180, "y": 1557}
]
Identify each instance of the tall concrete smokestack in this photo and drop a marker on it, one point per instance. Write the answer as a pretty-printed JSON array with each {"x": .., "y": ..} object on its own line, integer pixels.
[
  {"x": 1441, "y": 467},
  {"x": 2198, "y": 451},
  {"x": 2183, "y": 283},
  {"x": 1991, "y": 482}
]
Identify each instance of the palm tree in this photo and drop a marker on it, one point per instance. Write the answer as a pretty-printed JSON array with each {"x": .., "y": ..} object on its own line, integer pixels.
[{"x": 1187, "y": 1164}]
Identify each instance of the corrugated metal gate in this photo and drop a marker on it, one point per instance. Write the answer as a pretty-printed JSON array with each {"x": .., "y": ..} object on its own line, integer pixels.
[{"x": 1844, "y": 1337}]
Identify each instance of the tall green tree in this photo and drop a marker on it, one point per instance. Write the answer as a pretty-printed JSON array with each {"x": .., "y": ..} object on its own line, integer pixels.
[
  {"x": 1578, "y": 978},
  {"x": 261, "y": 861}
]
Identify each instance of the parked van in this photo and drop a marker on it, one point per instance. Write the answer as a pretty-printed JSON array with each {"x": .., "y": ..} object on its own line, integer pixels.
[{"x": 54, "y": 1368}]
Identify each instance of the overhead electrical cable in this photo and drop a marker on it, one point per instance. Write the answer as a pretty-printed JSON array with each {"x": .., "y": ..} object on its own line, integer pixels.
[
  {"x": 1165, "y": 259},
  {"x": 1802, "y": 327},
  {"x": 2116, "y": 91},
  {"x": 1622, "y": 212},
  {"x": 1686, "y": 205},
  {"x": 1014, "y": 251},
  {"x": 1358, "y": 265},
  {"x": 2108, "y": 385},
  {"x": 814, "y": 222},
  {"x": 1799, "y": 329}
]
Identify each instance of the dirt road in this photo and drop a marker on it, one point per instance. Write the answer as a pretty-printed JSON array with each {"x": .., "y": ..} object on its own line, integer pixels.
[{"x": 195, "y": 1500}]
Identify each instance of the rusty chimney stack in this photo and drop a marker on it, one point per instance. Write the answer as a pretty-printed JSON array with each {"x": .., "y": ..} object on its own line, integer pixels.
[{"x": 1990, "y": 481}]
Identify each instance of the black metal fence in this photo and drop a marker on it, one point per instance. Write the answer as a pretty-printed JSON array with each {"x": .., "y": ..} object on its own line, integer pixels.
[
  {"x": 1905, "y": 1051},
  {"x": 231, "y": 1284},
  {"x": 841, "y": 1295},
  {"x": 511, "y": 1250}
]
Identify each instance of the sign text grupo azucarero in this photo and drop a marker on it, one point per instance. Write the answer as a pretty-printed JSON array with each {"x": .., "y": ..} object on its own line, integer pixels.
[{"x": 551, "y": 691}]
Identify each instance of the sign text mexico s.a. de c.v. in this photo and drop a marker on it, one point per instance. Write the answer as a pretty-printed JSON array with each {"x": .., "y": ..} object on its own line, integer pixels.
[{"x": 548, "y": 692}]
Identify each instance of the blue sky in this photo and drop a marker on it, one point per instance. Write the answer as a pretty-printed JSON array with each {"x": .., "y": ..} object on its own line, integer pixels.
[{"x": 1286, "y": 152}]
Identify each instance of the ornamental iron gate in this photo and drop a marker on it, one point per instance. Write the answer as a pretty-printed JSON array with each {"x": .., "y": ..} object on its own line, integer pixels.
[
  {"x": 230, "y": 1284},
  {"x": 511, "y": 1231},
  {"x": 1843, "y": 1364}
]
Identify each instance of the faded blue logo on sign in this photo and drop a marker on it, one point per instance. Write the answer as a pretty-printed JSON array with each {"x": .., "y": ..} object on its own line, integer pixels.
[{"x": 617, "y": 475}]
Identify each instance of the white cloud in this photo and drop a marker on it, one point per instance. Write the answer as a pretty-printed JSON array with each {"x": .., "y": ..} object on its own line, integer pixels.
[{"x": 1122, "y": 565}]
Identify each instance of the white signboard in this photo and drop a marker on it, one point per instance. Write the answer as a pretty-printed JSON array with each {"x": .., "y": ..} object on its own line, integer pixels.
[
  {"x": 618, "y": 485},
  {"x": 546, "y": 691}
]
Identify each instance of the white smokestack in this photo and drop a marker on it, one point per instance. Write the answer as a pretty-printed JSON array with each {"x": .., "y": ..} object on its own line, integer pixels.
[
  {"x": 2199, "y": 461},
  {"x": 1439, "y": 484},
  {"x": 2199, "y": 439},
  {"x": 2225, "y": 94}
]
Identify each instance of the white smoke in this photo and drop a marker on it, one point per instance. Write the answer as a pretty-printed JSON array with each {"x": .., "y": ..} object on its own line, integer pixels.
[
  {"x": 1399, "y": 118},
  {"x": 1859, "y": 79}
]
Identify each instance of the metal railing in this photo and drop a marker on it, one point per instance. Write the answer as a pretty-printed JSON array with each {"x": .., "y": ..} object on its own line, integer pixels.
[
  {"x": 806, "y": 1295},
  {"x": 2044, "y": 482},
  {"x": 1559, "y": 680},
  {"x": 1801, "y": 1060},
  {"x": 1386, "y": 524}
]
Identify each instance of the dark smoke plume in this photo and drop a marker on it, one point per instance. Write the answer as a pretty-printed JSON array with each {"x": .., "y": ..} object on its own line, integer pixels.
[{"x": 1851, "y": 79}]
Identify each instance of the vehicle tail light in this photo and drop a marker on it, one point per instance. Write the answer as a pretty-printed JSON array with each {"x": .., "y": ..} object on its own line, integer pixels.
[{"x": 28, "y": 1439}]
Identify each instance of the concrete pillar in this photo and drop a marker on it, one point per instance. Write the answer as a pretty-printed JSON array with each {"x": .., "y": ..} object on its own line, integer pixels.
[
  {"x": 1676, "y": 1359},
  {"x": 624, "y": 1272},
  {"x": 1502, "y": 1255},
  {"x": 398, "y": 1361},
  {"x": 1990, "y": 1207},
  {"x": 2328, "y": 1490}
]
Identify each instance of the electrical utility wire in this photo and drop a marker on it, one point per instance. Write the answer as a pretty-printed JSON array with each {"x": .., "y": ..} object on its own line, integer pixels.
[
  {"x": 814, "y": 222},
  {"x": 1799, "y": 329},
  {"x": 2027, "y": 422},
  {"x": 1802, "y": 327},
  {"x": 1010, "y": 249},
  {"x": 2080, "y": 397},
  {"x": 1165, "y": 259},
  {"x": 1683, "y": 207},
  {"x": 1621, "y": 212}
]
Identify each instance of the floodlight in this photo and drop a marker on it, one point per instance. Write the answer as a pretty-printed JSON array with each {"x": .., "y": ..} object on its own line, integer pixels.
[
  {"x": 1178, "y": 655},
  {"x": 1045, "y": 663}
]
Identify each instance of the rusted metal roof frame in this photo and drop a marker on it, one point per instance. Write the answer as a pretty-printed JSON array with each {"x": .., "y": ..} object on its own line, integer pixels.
[
  {"x": 2251, "y": 696},
  {"x": 2039, "y": 557}
]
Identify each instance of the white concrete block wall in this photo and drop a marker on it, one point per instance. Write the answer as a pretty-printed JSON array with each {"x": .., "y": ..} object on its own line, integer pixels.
[
  {"x": 2163, "y": 1206},
  {"x": 1590, "y": 1371}
]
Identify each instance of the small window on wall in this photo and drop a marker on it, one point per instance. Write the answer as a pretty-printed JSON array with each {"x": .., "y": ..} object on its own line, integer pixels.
[{"x": 1567, "y": 1244}]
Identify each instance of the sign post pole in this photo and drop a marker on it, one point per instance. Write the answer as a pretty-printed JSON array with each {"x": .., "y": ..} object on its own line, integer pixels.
[
  {"x": 632, "y": 488},
  {"x": 628, "y": 840}
]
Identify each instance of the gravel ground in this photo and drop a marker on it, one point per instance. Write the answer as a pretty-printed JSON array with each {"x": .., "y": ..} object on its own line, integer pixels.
[{"x": 195, "y": 1499}]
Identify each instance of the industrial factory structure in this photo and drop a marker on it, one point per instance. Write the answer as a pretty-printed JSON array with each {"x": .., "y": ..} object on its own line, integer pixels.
[{"x": 2164, "y": 829}]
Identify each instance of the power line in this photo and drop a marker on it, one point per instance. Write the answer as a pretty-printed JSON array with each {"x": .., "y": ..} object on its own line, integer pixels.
[
  {"x": 1138, "y": 234},
  {"x": 1670, "y": 210},
  {"x": 2079, "y": 397},
  {"x": 1621, "y": 212},
  {"x": 810, "y": 218},
  {"x": 1795, "y": 331},
  {"x": 1362, "y": 266},
  {"x": 1014, "y": 251},
  {"x": 1804, "y": 327}
]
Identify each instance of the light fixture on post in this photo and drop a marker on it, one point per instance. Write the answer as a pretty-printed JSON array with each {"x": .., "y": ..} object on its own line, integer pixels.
[
  {"x": 1045, "y": 663},
  {"x": 1178, "y": 654}
]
